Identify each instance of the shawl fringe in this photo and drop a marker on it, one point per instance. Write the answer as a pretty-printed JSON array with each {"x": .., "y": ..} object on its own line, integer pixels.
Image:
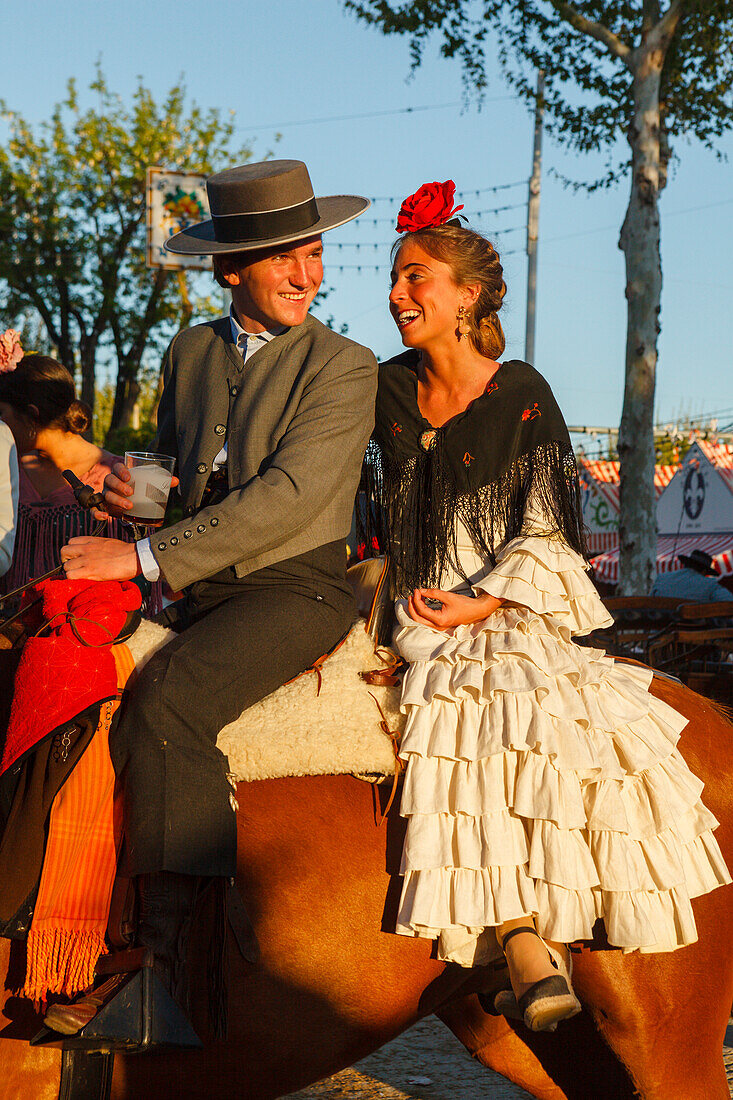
[{"x": 410, "y": 509}]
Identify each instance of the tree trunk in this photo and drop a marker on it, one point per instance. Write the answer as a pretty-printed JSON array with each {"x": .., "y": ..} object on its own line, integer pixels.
[
  {"x": 128, "y": 386},
  {"x": 640, "y": 243},
  {"x": 127, "y": 392},
  {"x": 88, "y": 364}
]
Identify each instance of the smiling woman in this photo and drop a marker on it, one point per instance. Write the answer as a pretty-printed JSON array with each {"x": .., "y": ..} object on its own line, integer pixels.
[
  {"x": 543, "y": 787},
  {"x": 427, "y": 262}
]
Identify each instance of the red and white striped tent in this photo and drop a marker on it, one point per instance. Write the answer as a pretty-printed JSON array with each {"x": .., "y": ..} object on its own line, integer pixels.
[
  {"x": 694, "y": 511},
  {"x": 599, "y": 486},
  {"x": 669, "y": 547}
]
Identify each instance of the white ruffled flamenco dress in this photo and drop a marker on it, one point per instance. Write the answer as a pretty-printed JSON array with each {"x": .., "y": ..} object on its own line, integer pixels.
[{"x": 542, "y": 777}]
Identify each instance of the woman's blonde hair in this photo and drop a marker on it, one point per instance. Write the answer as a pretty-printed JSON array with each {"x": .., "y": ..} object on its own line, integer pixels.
[{"x": 473, "y": 260}]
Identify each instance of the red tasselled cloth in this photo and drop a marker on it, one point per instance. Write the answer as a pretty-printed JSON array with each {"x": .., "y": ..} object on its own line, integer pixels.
[{"x": 71, "y": 666}]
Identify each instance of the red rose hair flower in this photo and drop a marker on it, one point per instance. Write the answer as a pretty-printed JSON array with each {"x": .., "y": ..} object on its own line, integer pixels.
[{"x": 431, "y": 205}]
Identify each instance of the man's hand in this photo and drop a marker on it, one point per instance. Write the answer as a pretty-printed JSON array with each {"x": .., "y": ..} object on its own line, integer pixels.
[
  {"x": 87, "y": 558},
  {"x": 457, "y": 610},
  {"x": 117, "y": 492}
]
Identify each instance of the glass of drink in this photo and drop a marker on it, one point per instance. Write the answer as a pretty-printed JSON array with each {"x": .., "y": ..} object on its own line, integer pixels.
[{"x": 151, "y": 482}]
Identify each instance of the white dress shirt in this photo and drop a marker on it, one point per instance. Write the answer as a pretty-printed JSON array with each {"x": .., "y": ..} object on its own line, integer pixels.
[{"x": 247, "y": 343}]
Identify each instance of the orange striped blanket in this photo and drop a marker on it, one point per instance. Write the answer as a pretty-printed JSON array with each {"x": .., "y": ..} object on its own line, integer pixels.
[{"x": 67, "y": 933}]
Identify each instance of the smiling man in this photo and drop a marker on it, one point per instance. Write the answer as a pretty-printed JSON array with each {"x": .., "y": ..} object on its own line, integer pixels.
[{"x": 267, "y": 413}]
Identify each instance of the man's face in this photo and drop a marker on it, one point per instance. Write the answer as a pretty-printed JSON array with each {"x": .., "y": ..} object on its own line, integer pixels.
[{"x": 276, "y": 287}]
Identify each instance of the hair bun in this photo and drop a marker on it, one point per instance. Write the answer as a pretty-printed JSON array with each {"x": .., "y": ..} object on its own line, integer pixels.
[{"x": 78, "y": 417}]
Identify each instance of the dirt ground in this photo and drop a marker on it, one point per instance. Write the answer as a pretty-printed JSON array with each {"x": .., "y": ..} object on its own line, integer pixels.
[{"x": 428, "y": 1063}]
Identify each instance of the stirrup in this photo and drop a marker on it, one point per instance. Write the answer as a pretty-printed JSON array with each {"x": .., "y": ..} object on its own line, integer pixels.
[
  {"x": 131, "y": 1010},
  {"x": 548, "y": 1001}
]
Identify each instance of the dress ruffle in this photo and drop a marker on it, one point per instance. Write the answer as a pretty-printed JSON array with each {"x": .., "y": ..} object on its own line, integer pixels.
[{"x": 542, "y": 777}]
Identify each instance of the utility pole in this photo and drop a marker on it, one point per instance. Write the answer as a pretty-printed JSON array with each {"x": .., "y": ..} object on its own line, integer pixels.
[{"x": 533, "y": 220}]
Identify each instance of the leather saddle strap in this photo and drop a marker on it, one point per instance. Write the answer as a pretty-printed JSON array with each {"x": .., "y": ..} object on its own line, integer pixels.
[
  {"x": 318, "y": 664},
  {"x": 241, "y": 926},
  {"x": 399, "y": 766},
  {"x": 388, "y": 676}
]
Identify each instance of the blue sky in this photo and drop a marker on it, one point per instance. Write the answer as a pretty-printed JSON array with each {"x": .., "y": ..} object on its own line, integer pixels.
[{"x": 288, "y": 61}]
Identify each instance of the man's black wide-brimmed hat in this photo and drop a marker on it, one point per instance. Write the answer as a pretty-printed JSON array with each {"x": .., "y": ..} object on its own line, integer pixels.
[
  {"x": 700, "y": 561},
  {"x": 260, "y": 205}
]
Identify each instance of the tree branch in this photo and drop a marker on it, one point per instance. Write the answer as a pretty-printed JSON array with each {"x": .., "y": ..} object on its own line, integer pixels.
[
  {"x": 664, "y": 32},
  {"x": 594, "y": 30}
]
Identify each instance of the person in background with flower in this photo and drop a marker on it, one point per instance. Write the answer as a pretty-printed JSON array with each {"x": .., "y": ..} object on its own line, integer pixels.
[
  {"x": 38, "y": 404},
  {"x": 543, "y": 789},
  {"x": 10, "y": 355}
]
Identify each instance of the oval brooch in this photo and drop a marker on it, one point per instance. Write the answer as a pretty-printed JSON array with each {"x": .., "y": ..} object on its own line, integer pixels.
[{"x": 428, "y": 439}]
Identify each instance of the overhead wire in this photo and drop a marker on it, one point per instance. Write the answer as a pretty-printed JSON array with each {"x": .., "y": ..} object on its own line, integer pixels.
[
  {"x": 366, "y": 115},
  {"x": 367, "y": 219},
  {"x": 459, "y": 194}
]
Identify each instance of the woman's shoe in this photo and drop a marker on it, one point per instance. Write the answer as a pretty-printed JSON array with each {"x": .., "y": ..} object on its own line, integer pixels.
[{"x": 548, "y": 1001}]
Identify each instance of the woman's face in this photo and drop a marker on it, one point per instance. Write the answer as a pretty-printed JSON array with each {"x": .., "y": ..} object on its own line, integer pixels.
[{"x": 424, "y": 300}]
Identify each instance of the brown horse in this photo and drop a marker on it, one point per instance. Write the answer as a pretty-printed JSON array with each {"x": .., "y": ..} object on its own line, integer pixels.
[{"x": 320, "y": 882}]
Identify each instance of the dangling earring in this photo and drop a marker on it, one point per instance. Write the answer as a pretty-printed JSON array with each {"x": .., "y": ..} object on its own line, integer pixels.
[{"x": 463, "y": 328}]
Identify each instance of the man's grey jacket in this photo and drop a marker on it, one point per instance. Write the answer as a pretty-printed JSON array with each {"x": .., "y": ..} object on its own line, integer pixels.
[{"x": 296, "y": 418}]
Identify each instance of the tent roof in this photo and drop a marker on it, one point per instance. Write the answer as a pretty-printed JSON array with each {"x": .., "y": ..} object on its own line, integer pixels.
[
  {"x": 606, "y": 477},
  {"x": 669, "y": 547}
]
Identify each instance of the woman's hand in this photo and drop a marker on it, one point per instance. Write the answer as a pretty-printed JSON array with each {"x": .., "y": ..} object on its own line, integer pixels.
[
  {"x": 89, "y": 558},
  {"x": 457, "y": 610},
  {"x": 117, "y": 492}
]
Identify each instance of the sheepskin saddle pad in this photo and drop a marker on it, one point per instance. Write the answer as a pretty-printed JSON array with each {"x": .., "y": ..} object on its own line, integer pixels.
[{"x": 298, "y": 730}]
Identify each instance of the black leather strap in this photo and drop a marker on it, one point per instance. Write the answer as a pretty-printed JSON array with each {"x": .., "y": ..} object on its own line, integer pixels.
[{"x": 516, "y": 931}]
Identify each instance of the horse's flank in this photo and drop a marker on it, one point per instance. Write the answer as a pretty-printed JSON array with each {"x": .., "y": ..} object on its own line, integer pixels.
[{"x": 320, "y": 882}]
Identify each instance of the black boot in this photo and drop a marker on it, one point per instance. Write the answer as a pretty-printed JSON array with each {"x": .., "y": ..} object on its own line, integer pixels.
[
  {"x": 166, "y": 906},
  {"x": 128, "y": 1010}
]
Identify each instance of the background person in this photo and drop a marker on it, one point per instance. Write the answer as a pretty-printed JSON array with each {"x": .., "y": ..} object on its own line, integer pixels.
[
  {"x": 8, "y": 496},
  {"x": 698, "y": 579},
  {"x": 38, "y": 403},
  {"x": 11, "y": 354},
  {"x": 543, "y": 789}
]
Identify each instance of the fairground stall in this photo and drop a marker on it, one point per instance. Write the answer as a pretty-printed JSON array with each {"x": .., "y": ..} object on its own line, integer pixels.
[
  {"x": 599, "y": 489},
  {"x": 694, "y": 511}
]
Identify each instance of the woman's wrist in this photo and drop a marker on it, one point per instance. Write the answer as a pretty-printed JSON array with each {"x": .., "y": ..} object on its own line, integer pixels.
[{"x": 485, "y": 605}]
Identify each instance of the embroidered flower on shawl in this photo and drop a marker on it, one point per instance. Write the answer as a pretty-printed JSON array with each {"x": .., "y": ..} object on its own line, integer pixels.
[
  {"x": 361, "y": 549},
  {"x": 467, "y": 459},
  {"x": 491, "y": 387},
  {"x": 531, "y": 414},
  {"x": 431, "y": 205},
  {"x": 395, "y": 428},
  {"x": 11, "y": 352}
]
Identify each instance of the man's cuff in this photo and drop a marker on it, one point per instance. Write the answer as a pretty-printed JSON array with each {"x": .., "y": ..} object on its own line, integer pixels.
[{"x": 148, "y": 564}]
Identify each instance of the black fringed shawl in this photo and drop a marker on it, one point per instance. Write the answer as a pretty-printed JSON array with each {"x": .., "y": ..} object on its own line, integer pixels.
[{"x": 509, "y": 447}]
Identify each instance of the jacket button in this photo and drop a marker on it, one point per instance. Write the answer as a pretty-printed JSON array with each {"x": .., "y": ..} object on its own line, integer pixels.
[
  {"x": 201, "y": 527},
  {"x": 220, "y": 429},
  {"x": 174, "y": 541},
  {"x": 234, "y": 391},
  {"x": 161, "y": 546},
  {"x": 187, "y": 534},
  {"x": 202, "y": 467},
  {"x": 214, "y": 522}
]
